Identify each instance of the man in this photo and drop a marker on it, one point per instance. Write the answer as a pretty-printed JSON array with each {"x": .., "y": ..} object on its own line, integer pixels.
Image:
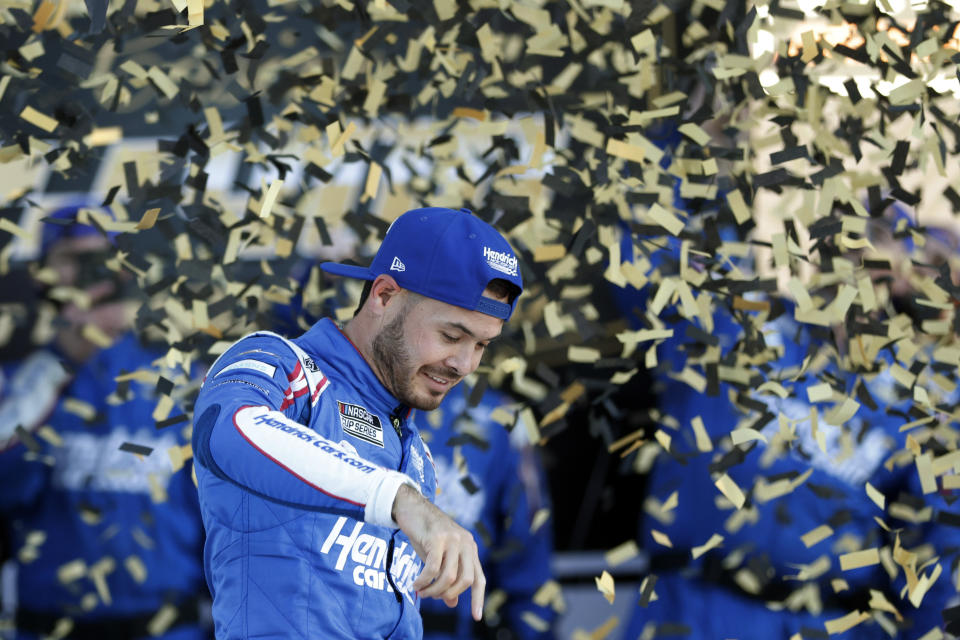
[
  {"x": 105, "y": 543},
  {"x": 315, "y": 486},
  {"x": 491, "y": 482}
]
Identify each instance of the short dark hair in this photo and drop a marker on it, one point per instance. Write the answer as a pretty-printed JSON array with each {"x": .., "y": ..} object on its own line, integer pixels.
[
  {"x": 499, "y": 287},
  {"x": 367, "y": 285}
]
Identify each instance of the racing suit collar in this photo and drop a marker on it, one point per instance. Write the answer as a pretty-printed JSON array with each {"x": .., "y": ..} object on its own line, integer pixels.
[{"x": 339, "y": 355}]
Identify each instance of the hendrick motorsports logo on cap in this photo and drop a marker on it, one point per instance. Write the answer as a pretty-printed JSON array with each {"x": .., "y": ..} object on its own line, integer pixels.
[{"x": 501, "y": 261}]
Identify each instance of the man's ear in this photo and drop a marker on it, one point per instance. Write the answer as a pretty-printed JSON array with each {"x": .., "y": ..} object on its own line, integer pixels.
[{"x": 384, "y": 291}]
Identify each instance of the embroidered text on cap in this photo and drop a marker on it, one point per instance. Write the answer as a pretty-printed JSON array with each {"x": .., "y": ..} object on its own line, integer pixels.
[{"x": 501, "y": 261}]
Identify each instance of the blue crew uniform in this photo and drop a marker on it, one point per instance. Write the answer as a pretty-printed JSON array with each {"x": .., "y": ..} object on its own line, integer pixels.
[
  {"x": 300, "y": 450},
  {"x": 829, "y": 467},
  {"x": 99, "y": 535}
]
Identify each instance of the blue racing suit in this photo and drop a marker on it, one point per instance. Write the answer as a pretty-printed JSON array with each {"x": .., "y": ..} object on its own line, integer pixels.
[
  {"x": 99, "y": 535},
  {"x": 300, "y": 452},
  {"x": 495, "y": 495},
  {"x": 770, "y": 551}
]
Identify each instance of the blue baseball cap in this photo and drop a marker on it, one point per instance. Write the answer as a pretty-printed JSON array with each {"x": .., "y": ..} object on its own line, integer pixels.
[
  {"x": 444, "y": 254},
  {"x": 61, "y": 224}
]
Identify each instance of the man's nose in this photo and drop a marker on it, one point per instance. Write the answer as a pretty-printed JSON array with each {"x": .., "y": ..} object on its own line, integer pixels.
[{"x": 460, "y": 361}]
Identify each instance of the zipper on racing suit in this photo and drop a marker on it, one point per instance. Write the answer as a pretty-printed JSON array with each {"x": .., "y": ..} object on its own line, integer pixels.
[{"x": 397, "y": 422}]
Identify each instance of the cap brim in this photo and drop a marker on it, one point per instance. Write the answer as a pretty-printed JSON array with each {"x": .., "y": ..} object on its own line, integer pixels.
[{"x": 348, "y": 270}]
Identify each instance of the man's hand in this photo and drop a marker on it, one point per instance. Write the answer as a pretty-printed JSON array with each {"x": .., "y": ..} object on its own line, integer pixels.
[{"x": 448, "y": 551}]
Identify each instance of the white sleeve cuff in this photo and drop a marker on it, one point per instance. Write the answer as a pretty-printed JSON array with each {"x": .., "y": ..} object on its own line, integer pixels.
[{"x": 379, "y": 509}]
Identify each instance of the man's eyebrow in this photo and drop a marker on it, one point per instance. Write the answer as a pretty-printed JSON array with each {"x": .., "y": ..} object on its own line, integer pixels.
[{"x": 463, "y": 328}]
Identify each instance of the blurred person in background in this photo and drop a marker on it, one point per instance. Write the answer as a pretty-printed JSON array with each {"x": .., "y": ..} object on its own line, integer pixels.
[
  {"x": 106, "y": 542},
  {"x": 492, "y": 483},
  {"x": 804, "y": 481}
]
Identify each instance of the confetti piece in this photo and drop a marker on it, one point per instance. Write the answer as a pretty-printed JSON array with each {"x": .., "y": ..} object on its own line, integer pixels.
[
  {"x": 372, "y": 182},
  {"x": 928, "y": 481},
  {"x": 816, "y": 535},
  {"x": 103, "y": 136},
  {"x": 535, "y": 622},
  {"x": 625, "y": 150},
  {"x": 643, "y": 41},
  {"x": 742, "y": 436},
  {"x": 726, "y": 485},
  {"x": 539, "y": 519},
  {"x": 693, "y": 131},
  {"x": 704, "y": 443},
  {"x": 622, "y": 553},
  {"x": 48, "y": 434},
  {"x": 163, "y": 408},
  {"x": 606, "y": 586},
  {"x": 661, "y": 538},
  {"x": 666, "y": 219},
  {"x": 10, "y": 227},
  {"x": 71, "y": 571},
  {"x": 195, "y": 12},
  {"x": 162, "y": 620},
  {"x": 39, "y": 119},
  {"x": 149, "y": 219},
  {"x": 951, "y": 482},
  {"x": 270, "y": 198},
  {"x": 738, "y": 206},
  {"x": 135, "y": 567},
  {"x": 80, "y": 408},
  {"x": 712, "y": 543},
  {"x": 468, "y": 112},
  {"x": 859, "y": 559},
  {"x": 879, "y": 602},
  {"x": 162, "y": 82},
  {"x": 549, "y": 252},
  {"x": 877, "y": 497},
  {"x": 810, "y": 49},
  {"x": 582, "y": 354},
  {"x": 493, "y": 602},
  {"x": 845, "y": 623},
  {"x": 819, "y": 392},
  {"x": 530, "y": 425},
  {"x": 934, "y": 634},
  {"x": 96, "y": 335}
]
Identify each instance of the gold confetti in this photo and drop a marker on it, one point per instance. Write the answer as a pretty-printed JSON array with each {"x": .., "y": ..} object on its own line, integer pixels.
[
  {"x": 816, "y": 535},
  {"x": 39, "y": 119},
  {"x": 622, "y": 553},
  {"x": 730, "y": 490},
  {"x": 845, "y": 623},
  {"x": 859, "y": 559},
  {"x": 606, "y": 586}
]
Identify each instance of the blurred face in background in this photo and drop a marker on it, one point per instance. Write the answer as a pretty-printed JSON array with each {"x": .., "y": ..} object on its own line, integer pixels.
[
  {"x": 95, "y": 307},
  {"x": 935, "y": 249}
]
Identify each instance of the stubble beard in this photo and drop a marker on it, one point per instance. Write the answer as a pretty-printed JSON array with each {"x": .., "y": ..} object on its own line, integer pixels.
[{"x": 393, "y": 361}]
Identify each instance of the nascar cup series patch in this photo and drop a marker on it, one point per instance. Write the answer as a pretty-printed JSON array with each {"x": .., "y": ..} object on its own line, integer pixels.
[{"x": 360, "y": 423}]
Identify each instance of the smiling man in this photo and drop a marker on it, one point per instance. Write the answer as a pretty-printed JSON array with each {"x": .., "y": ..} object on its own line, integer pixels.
[{"x": 315, "y": 487}]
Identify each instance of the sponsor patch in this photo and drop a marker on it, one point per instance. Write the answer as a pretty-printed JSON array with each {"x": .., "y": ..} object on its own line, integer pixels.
[
  {"x": 254, "y": 365},
  {"x": 310, "y": 364},
  {"x": 360, "y": 423}
]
